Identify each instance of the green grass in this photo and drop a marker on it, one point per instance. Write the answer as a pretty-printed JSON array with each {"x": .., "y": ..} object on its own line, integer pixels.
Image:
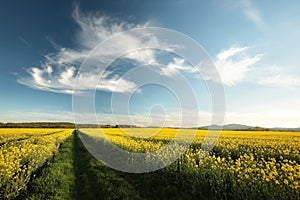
[
  {"x": 95, "y": 180},
  {"x": 75, "y": 174},
  {"x": 57, "y": 181}
]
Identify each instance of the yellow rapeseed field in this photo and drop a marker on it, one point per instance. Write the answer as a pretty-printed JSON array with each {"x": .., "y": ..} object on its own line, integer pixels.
[
  {"x": 22, "y": 152},
  {"x": 242, "y": 164},
  {"x": 246, "y": 160}
]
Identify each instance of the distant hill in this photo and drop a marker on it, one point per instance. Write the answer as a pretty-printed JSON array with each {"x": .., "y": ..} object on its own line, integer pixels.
[
  {"x": 226, "y": 127},
  {"x": 236, "y": 127},
  {"x": 285, "y": 129}
]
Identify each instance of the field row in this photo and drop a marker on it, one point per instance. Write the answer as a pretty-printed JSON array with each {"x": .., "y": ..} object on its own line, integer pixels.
[
  {"x": 244, "y": 165},
  {"x": 19, "y": 159}
]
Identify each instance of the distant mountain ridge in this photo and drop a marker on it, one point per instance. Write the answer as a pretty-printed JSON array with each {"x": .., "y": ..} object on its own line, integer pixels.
[
  {"x": 235, "y": 127},
  {"x": 226, "y": 127}
]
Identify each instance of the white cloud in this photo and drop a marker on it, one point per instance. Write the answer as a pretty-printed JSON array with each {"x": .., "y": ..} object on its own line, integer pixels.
[
  {"x": 233, "y": 64},
  {"x": 272, "y": 75},
  {"x": 230, "y": 52},
  {"x": 63, "y": 81},
  {"x": 283, "y": 81},
  {"x": 66, "y": 77},
  {"x": 178, "y": 65},
  {"x": 251, "y": 12},
  {"x": 95, "y": 27},
  {"x": 58, "y": 71},
  {"x": 116, "y": 84},
  {"x": 49, "y": 69}
]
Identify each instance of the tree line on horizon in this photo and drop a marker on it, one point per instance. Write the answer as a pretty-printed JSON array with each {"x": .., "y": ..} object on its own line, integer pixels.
[
  {"x": 58, "y": 125},
  {"x": 37, "y": 125}
]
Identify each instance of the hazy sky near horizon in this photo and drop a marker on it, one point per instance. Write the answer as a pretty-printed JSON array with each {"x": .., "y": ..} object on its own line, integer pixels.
[{"x": 254, "y": 45}]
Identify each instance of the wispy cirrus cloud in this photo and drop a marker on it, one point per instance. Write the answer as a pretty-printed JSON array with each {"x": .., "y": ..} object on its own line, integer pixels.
[
  {"x": 236, "y": 65},
  {"x": 251, "y": 12},
  {"x": 225, "y": 54},
  {"x": 24, "y": 41},
  {"x": 273, "y": 75},
  {"x": 176, "y": 66},
  {"x": 63, "y": 82},
  {"x": 233, "y": 65},
  {"x": 282, "y": 81},
  {"x": 57, "y": 72}
]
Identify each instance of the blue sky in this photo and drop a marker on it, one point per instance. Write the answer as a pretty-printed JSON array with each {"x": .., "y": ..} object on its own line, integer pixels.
[{"x": 253, "y": 44}]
